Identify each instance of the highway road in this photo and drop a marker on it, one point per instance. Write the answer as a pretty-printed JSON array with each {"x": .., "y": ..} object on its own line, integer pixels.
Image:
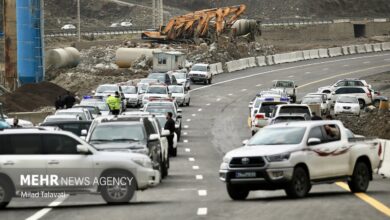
[{"x": 214, "y": 124}]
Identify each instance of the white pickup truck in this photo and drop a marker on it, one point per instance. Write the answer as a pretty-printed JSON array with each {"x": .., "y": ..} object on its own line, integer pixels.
[{"x": 294, "y": 156}]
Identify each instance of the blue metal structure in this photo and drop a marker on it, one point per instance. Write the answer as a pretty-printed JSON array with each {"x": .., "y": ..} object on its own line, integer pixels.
[{"x": 30, "y": 52}]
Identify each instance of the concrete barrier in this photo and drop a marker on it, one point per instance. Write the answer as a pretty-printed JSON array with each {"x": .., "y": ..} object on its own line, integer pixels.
[
  {"x": 219, "y": 68},
  {"x": 231, "y": 66},
  {"x": 277, "y": 58},
  {"x": 377, "y": 47},
  {"x": 352, "y": 49},
  {"x": 252, "y": 62},
  {"x": 34, "y": 117},
  {"x": 386, "y": 46},
  {"x": 270, "y": 60},
  {"x": 243, "y": 64},
  {"x": 385, "y": 169},
  {"x": 213, "y": 69},
  {"x": 360, "y": 49},
  {"x": 368, "y": 48},
  {"x": 261, "y": 61},
  {"x": 345, "y": 50},
  {"x": 323, "y": 53},
  {"x": 306, "y": 54},
  {"x": 314, "y": 54},
  {"x": 299, "y": 56},
  {"x": 335, "y": 51}
]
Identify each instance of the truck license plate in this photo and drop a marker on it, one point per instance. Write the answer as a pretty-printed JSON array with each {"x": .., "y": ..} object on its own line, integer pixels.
[{"x": 245, "y": 174}]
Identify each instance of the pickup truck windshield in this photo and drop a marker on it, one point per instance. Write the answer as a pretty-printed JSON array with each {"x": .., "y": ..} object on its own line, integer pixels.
[
  {"x": 118, "y": 132},
  {"x": 199, "y": 68},
  {"x": 294, "y": 109},
  {"x": 157, "y": 90},
  {"x": 284, "y": 84},
  {"x": 278, "y": 136}
]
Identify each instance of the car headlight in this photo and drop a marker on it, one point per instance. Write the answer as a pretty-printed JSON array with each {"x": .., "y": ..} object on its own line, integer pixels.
[
  {"x": 226, "y": 159},
  {"x": 278, "y": 157},
  {"x": 141, "y": 151},
  {"x": 143, "y": 162}
]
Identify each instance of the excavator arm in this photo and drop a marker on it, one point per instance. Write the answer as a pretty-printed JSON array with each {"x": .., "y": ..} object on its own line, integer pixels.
[{"x": 197, "y": 24}]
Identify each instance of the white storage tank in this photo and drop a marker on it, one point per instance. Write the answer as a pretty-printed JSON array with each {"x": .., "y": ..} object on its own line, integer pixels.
[
  {"x": 63, "y": 57},
  {"x": 124, "y": 57}
]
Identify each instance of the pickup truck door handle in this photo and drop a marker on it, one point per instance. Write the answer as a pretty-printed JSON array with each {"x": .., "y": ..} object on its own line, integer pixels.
[
  {"x": 54, "y": 162},
  {"x": 8, "y": 163}
]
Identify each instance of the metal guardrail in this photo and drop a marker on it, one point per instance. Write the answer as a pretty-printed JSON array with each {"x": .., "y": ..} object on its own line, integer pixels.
[{"x": 96, "y": 31}]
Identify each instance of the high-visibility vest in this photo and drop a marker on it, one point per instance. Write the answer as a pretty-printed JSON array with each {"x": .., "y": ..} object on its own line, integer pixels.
[{"x": 114, "y": 103}]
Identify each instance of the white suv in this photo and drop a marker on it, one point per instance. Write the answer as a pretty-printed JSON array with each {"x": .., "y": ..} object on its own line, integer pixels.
[
  {"x": 38, "y": 160},
  {"x": 363, "y": 94},
  {"x": 201, "y": 72}
]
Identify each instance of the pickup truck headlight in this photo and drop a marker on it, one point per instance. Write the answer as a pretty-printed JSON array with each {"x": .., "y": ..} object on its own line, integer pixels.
[
  {"x": 143, "y": 162},
  {"x": 141, "y": 151},
  {"x": 278, "y": 157},
  {"x": 226, "y": 159}
]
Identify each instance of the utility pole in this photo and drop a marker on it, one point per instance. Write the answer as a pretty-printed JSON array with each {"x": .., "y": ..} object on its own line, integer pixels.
[
  {"x": 78, "y": 21},
  {"x": 154, "y": 13},
  {"x": 10, "y": 45},
  {"x": 161, "y": 13}
]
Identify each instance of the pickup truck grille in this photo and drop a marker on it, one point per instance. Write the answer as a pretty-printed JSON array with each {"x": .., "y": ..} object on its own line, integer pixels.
[{"x": 238, "y": 162}]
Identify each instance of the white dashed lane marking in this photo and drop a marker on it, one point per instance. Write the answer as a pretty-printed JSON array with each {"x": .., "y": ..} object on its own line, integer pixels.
[
  {"x": 185, "y": 141},
  {"x": 366, "y": 62},
  {"x": 195, "y": 167},
  {"x": 258, "y": 85},
  {"x": 185, "y": 133},
  {"x": 307, "y": 73},
  {"x": 291, "y": 76},
  {"x": 208, "y": 104},
  {"x": 243, "y": 90},
  {"x": 230, "y": 94},
  {"x": 188, "y": 150},
  {"x": 199, "y": 177},
  {"x": 186, "y": 126},
  {"x": 199, "y": 110},
  {"x": 202, "y": 211},
  {"x": 189, "y": 119},
  {"x": 191, "y": 159},
  {"x": 193, "y": 115},
  {"x": 42, "y": 212},
  {"x": 218, "y": 99},
  {"x": 202, "y": 192}
]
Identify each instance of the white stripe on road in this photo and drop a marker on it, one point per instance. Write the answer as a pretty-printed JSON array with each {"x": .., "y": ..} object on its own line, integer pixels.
[
  {"x": 208, "y": 104},
  {"x": 189, "y": 119},
  {"x": 217, "y": 99},
  {"x": 188, "y": 150},
  {"x": 230, "y": 94},
  {"x": 243, "y": 90},
  {"x": 186, "y": 126},
  {"x": 185, "y": 141},
  {"x": 202, "y": 192},
  {"x": 283, "y": 69},
  {"x": 195, "y": 167},
  {"x": 199, "y": 177},
  {"x": 44, "y": 211},
  {"x": 185, "y": 133},
  {"x": 191, "y": 159},
  {"x": 202, "y": 211},
  {"x": 307, "y": 73},
  {"x": 291, "y": 76},
  {"x": 199, "y": 110},
  {"x": 366, "y": 62},
  {"x": 193, "y": 115},
  {"x": 258, "y": 85}
]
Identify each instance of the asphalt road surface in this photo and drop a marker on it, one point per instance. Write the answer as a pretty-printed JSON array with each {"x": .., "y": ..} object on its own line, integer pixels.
[{"x": 215, "y": 123}]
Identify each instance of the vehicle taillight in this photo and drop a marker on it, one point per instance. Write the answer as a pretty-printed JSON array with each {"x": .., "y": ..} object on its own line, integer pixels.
[
  {"x": 260, "y": 116},
  {"x": 380, "y": 150}
]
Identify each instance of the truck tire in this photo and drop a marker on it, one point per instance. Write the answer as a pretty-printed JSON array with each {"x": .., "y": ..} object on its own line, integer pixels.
[
  {"x": 114, "y": 194},
  {"x": 5, "y": 193},
  {"x": 299, "y": 185},
  {"x": 237, "y": 192},
  {"x": 360, "y": 177}
]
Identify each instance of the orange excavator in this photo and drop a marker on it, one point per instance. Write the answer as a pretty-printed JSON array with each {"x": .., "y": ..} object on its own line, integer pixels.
[{"x": 197, "y": 24}]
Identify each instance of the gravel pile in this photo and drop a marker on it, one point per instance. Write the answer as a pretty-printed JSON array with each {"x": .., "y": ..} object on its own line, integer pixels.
[{"x": 369, "y": 124}]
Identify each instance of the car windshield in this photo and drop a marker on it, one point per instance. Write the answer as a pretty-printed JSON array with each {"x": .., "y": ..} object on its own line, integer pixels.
[
  {"x": 284, "y": 84},
  {"x": 159, "y": 76},
  {"x": 278, "y": 136},
  {"x": 76, "y": 114},
  {"x": 118, "y": 132},
  {"x": 176, "y": 89},
  {"x": 180, "y": 75},
  {"x": 311, "y": 100},
  {"x": 287, "y": 119},
  {"x": 346, "y": 99},
  {"x": 148, "y": 80},
  {"x": 268, "y": 107},
  {"x": 102, "y": 106},
  {"x": 157, "y": 90},
  {"x": 294, "y": 109},
  {"x": 162, "y": 121},
  {"x": 91, "y": 109},
  {"x": 129, "y": 90},
  {"x": 107, "y": 88},
  {"x": 199, "y": 68},
  {"x": 160, "y": 110}
]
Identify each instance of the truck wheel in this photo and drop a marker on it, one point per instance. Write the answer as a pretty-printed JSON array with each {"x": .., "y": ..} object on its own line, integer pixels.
[
  {"x": 237, "y": 192},
  {"x": 360, "y": 178},
  {"x": 119, "y": 193},
  {"x": 299, "y": 185},
  {"x": 5, "y": 193}
]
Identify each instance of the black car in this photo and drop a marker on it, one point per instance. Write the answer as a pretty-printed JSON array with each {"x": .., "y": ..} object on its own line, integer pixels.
[{"x": 76, "y": 127}]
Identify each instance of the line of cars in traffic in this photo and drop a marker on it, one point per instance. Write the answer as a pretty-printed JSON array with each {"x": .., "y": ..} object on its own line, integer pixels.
[
  {"x": 293, "y": 149},
  {"x": 87, "y": 141}
]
